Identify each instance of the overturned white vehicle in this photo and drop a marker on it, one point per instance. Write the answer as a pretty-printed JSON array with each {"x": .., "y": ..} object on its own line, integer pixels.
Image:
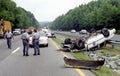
[{"x": 96, "y": 39}]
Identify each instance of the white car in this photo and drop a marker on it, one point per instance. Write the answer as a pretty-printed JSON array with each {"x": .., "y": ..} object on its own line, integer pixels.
[
  {"x": 43, "y": 40},
  {"x": 73, "y": 31},
  {"x": 45, "y": 30},
  {"x": 16, "y": 32}
]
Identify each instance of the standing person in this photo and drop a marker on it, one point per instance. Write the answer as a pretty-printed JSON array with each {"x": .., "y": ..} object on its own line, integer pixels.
[
  {"x": 36, "y": 43},
  {"x": 25, "y": 40},
  {"x": 8, "y": 36}
]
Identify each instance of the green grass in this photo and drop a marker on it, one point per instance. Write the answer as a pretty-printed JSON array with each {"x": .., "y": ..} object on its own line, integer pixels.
[
  {"x": 117, "y": 48},
  {"x": 109, "y": 50},
  {"x": 103, "y": 71},
  {"x": 58, "y": 41},
  {"x": 80, "y": 56}
]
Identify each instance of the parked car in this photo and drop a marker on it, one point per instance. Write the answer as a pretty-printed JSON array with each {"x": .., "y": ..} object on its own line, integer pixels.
[
  {"x": 73, "y": 31},
  {"x": 43, "y": 39}
]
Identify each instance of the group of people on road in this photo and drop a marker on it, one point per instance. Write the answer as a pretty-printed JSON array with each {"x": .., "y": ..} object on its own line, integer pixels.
[{"x": 25, "y": 40}]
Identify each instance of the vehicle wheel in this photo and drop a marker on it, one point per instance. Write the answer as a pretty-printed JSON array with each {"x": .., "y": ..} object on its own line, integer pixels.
[
  {"x": 67, "y": 41},
  {"x": 46, "y": 45},
  {"x": 105, "y": 32},
  {"x": 80, "y": 43}
]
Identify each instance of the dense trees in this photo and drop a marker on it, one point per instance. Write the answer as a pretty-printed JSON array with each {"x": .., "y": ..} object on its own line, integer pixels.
[
  {"x": 19, "y": 17},
  {"x": 96, "y": 14}
]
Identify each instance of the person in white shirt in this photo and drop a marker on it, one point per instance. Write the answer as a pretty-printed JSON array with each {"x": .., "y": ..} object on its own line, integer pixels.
[
  {"x": 36, "y": 43},
  {"x": 8, "y": 36},
  {"x": 25, "y": 41}
]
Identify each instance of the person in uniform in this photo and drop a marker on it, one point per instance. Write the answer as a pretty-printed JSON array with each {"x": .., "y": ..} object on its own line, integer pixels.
[
  {"x": 8, "y": 36},
  {"x": 25, "y": 40},
  {"x": 36, "y": 43}
]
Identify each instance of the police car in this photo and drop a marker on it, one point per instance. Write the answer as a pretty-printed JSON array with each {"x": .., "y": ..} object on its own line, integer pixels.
[{"x": 43, "y": 39}]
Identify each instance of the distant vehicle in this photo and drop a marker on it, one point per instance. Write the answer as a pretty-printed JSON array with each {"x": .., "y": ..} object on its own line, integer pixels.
[
  {"x": 22, "y": 31},
  {"x": 45, "y": 30},
  {"x": 83, "y": 32},
  {"x": 43, "y": 40},
  {"x": 50, "y": 35},
  {"x": 17, "y": 32},
  {"x": 73, "y": 31},
  {"x": 4, "y": 25}
]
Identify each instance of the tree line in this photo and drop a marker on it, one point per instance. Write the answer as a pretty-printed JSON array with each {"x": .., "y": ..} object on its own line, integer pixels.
[
  {"x": 96, "y": 14},
  {"x": 19, "y": 17}
]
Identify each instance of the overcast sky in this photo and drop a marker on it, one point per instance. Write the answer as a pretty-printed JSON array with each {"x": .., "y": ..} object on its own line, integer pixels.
[{"x": 48, "y": 10}]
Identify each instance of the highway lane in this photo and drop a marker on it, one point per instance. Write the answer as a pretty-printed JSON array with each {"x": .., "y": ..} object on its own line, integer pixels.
[
  {"x": 115, "y": 38},
  {"x": 68, "y": 33},
  {"x": 4, "y": 51},
  {"x": 49, "y": 63}
]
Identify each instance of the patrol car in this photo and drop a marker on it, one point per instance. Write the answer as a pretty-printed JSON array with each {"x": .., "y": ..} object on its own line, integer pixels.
[{"x": 43, "y": 39}]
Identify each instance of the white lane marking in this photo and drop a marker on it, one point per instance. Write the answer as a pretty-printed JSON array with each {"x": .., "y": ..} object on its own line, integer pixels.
[{"x": 16, "y": 50}]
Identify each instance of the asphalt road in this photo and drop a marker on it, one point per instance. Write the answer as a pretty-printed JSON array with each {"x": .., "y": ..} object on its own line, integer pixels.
[{"x": 49, "y": 63}]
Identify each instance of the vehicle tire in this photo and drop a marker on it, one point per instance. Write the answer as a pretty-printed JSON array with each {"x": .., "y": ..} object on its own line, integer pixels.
[
  {"x": 67, "y": 41},
  {"x": 80, "y": 43},
  {"x": 105, "y": 32},
  {"x": 46, "y": 45}
]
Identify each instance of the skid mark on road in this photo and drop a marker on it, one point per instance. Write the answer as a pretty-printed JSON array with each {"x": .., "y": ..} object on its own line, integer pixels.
[
  {"x": 77, "y": 70},
  {"x": 15, "y": 50}
]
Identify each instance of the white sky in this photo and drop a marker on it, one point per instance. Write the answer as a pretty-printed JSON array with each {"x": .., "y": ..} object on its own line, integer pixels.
[{"x": 48, "y": 10}]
